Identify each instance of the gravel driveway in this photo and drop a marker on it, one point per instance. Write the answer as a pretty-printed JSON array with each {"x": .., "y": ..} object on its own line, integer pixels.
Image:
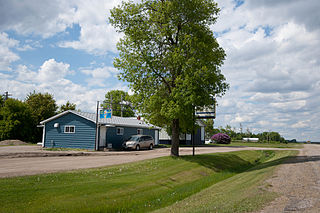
[
  {"x": 29, "y": 160},
  {"x": 298, "y": 182}
]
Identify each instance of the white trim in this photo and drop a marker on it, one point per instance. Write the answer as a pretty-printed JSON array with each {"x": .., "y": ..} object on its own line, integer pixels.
[
  {"x": 121, "y": 130},
  {"x": 188, "y": 137},
  {"x": 63, "y": 113},
  {"x": 54, "y": 117},
  {"x": 156, "y": 137},
  {"x": 202, "y": 133},
  {"x": 43, "y": 134},
  {"x": 74, "y": 129}
]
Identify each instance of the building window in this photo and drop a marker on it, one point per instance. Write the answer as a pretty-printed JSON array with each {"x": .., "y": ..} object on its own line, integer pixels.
[
  {"x": 140, "y": 131},
  {"x": 119, "y": 131},
  {"x": 69, "y": 129}
]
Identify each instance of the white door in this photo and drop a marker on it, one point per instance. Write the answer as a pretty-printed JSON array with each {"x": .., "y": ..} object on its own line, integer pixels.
[
  {"x": 202, "y": 133},
  {"x": 103, "y": 134},
  {"x": 156, "y": 137}
]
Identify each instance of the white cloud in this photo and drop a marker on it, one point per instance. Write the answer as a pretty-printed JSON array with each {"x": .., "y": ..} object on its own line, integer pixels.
[
  {"x": 4, "y": 76},
  {"x": 272, "y": 66},
  {"x": 52, "y": 77},
  {"x": 99, "y": 76},
  {"x": 45, "y": 18},
  {"x": 301, "y": 124},
  {"x": 50, "y": 17},
  {"x": 97, "y": 36},
  {"x": 50, "y": 71},
  {"x": 6, "y": 54}
]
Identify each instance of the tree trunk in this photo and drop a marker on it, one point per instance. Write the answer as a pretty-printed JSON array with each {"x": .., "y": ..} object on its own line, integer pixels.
[{"x": 175, "y": 138}]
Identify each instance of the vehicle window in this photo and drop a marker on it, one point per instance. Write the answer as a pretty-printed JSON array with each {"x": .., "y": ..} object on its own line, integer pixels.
[{"x": 134, "y": 138}]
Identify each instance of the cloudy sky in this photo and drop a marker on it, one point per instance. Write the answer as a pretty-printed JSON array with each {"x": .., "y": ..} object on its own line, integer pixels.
[{"x": 66, "y": 48}]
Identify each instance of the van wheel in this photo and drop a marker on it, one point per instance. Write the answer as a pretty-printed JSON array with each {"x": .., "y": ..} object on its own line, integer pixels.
[
  {"x": 137, "y": 147},
  {"x": 151, "y": 146}
]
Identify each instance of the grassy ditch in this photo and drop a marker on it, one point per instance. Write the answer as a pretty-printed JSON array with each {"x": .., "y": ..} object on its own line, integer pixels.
[
  {"x": 135, "y": 187},
  {"x": 264, "y": 145},
  {"x": 244, "y": 192}
]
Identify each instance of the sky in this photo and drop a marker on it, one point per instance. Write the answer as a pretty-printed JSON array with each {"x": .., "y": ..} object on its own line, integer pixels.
[{"x": 66, "y": 48}]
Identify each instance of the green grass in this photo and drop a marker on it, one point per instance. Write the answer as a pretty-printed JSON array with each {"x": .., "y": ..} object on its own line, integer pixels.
[
  {"x": 267, "y": 145},
  {"x": 135, "y": 187},
  {"x": 27, "y": 144},
  {"x": 249, "y": 144},
  {"x": 244, "y": 192},
  {"x": 67, "y": 149}
]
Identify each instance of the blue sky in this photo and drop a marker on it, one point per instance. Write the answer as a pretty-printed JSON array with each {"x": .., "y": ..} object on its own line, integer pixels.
[{"x": 66, "y": 48}]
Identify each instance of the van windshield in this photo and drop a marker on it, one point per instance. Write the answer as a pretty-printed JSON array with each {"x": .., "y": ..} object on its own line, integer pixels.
[{"x": 134, "y": 138}]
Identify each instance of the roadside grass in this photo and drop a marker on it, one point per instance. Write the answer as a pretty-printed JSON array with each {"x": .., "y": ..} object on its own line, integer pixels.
[
  {"x": 27, "y": 144},
  {"x": 244, "y": 192},
  {"x": 266, "y": 145},
  {"x": 67, "y": 149},
  {"x": 141, "y": 186},
  {"x": 248, "y": 144}
]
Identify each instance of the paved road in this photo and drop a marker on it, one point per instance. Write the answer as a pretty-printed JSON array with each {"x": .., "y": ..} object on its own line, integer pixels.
[
  {"x": 13, "y": 162},
  {"x": 298, "y": 183}
]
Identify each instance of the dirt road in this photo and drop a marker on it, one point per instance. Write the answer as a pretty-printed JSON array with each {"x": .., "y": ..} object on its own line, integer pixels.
[
  {"x": 298, "y": 182},
  {"x": 29, "y": 160}
]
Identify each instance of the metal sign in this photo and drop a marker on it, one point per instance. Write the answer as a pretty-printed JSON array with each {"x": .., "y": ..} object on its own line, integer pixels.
[
  {"x": 105, "y": 113},
  {"x": 206, "y": 112}
]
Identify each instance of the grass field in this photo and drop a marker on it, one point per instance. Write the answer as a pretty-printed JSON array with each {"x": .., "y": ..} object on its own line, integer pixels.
[
  {"x": 147, "y": 185},
  {"x": 268, "y": 145}
]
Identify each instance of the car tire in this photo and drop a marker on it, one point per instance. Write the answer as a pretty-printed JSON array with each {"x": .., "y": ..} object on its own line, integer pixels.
[
  {"x": 151, "y": 146},
  {"x": 138, "y": 147}
]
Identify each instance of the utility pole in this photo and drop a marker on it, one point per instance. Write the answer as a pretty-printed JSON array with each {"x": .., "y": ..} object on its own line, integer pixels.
[
  {"x": 97, "y": 125},
  {"x": 121, "y": 106},
  {"x": 6, "y": 95},
  {"x": 111, "y": 105},
  {"x": 192, "y": 136}
]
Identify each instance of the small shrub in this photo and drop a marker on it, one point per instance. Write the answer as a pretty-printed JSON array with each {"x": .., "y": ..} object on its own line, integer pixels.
[{"x": 221, "y": 138}]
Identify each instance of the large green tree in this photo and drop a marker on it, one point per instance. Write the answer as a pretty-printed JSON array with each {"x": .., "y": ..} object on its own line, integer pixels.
[
  {"x": 42, "y": 106},
  {"x": 170, "y": 58},
  {"x": 16, "y": 120},
  {"x": 114, "y": 98},
  {"x": 1, "y": 101}
]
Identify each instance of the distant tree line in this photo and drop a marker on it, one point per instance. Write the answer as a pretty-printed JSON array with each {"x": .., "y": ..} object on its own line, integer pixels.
[
  {"x": 235, "y": 135},
  {"x": 19, "y": 119}
]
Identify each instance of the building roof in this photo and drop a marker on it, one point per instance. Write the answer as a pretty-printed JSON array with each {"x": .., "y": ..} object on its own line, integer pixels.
[{"x": 114, "y": 121}]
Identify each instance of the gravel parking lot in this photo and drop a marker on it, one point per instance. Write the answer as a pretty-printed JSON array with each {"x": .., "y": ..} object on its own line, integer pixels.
[{"x": 29, "y": 160}]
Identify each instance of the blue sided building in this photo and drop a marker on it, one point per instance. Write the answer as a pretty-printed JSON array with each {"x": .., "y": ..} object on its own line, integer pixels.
[{"x": 73, "y": 129}]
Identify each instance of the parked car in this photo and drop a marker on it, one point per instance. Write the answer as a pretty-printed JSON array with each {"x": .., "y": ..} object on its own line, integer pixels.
[{"x": 138, "y": 142}]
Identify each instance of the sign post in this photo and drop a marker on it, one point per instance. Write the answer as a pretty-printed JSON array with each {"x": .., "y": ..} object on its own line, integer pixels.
[{"x": 208, "y": 112}]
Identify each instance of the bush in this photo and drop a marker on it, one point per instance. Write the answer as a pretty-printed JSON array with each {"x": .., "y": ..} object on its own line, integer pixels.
[{"x": 221, "y": 138}]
